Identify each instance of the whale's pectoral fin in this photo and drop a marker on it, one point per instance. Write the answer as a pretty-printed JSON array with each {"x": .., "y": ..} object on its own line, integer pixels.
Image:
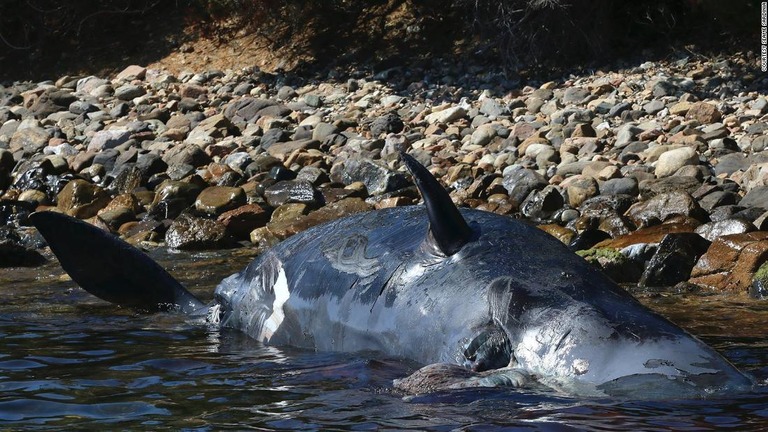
[
  {"x": 489, "y": 350},
  {"x": 110, "y": 268},
  {"x": 445, "y": 376},
  {"x": 447, "y": 228}
]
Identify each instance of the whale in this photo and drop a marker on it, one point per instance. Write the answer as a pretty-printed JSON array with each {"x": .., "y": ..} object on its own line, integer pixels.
[{"x": 472, "y": 298}]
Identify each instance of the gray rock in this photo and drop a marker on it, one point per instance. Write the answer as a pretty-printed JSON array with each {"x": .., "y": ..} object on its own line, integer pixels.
[
  {"x": 129, "y": 91},
  {"x": 674, "y": 259},
  {"x": 188, "y": 232},
  {"x": 30, "y": 140},
  {"x": 756, "y": 197},
  {"x": 520, "y": 182},
  {"x": 713, "y": 230},
  {"x": 292, "y": 192},
  {"x": 378, "y": 179},
  {"x": 109, "y": 139},
  {"x": 388, "y": 123}
]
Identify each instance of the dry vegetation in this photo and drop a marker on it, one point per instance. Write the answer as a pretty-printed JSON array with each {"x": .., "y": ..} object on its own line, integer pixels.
[{"x": 45, "y": 38}]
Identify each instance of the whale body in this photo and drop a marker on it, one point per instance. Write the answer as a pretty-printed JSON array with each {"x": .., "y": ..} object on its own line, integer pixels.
[{"x": 480, "y": 299}]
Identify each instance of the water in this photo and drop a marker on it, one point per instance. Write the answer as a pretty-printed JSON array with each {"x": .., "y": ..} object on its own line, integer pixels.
[{"x": 70, "y": 361}]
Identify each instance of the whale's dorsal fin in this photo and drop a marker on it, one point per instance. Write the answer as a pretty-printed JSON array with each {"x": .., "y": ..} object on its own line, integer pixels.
[
  {"x": 447, "y": 226},
  {"x": 110, "y": 268}
]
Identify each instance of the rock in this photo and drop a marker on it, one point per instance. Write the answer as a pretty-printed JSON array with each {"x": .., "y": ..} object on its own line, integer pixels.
[
  {"x": 293, "y": 191},
  {"x": 447, "y": 115},
  {"x": 620, "y": 186},
  {"x": 29, "y": 141},
  {"x": 132, "y": 73},
  {"x": 648, "y": 235},
  {"x": 215, "y": 200},
  {"x": 673, "y": 260},
  {"x": 388, "y": 123},
  {"x": 520, "y": 182},
  {"x": 174, "y": 189},
  {"x": 82, "y": 199},
  {"x": 284, "y": 149},
  {"x": 713, "y": 230},
  {"x": 129, "y": 91},
  {"x": 704, "y": 113},
  {"x": 540, "y": 205},
  {"x": 759, "y": 287},
  {"x": 493, "y": 108},
  {"x": 109, "y": 139},
  {"x": 731, "y": 262},
  {"x": 240, "y": 222},
  {"x": 663, "y": 206},
  {"x": 581, "y": 189},
  {"x": 671, "y": 161},
  {"x": 192, "y": 233},
  {"x": 186, "y": 154},
  {"x": 378, "y": 179},
  {"x": 613, "y": 263},
  {"x": 756, "y": 197}
]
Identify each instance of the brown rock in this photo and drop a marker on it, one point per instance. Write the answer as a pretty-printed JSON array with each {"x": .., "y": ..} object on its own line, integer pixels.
[
  {"x": 215, "y": 200},
  {"x": 82, "y": 199},
  {"x": 282, "y": 150},
  {"x": 192, "y": 91},
  {"x": 565, "y": 235},
  {"x": 731, "y": 261},
  {"x": 662, "y": 206},
  {"x": 704, "y": 113},
  {"x": 647, "y": 235},
  {"x": 241, "y": 221}
]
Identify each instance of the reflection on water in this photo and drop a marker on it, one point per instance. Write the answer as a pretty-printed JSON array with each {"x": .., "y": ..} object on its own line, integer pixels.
[{"x": 70, "y": 360}]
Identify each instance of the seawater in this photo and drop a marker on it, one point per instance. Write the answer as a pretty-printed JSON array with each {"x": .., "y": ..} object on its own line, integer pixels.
[{"x": 69, "y": 361}]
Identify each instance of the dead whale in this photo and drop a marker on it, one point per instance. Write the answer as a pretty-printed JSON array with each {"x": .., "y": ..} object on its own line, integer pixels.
[{"x": 481, "y": 299}]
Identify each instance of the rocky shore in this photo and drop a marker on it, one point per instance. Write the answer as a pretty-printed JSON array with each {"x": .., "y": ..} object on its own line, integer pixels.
[{"x": 658, "y": 173}]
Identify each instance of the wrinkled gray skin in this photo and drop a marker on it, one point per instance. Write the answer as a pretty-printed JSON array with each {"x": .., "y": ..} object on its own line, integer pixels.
[{"x": 513, "y": 301}]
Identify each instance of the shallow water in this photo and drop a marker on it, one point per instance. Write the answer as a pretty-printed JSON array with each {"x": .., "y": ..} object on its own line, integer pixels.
[{"x": 68, "y": 360}]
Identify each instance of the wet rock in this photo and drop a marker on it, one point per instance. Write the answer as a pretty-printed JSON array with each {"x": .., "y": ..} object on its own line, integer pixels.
[
  {"x": 293, "y": 191},
  {"x": 82, "y": 199},
  {"x": 561, "y": 233},
  {"x": 648, "y": 235},
  {"x": 192, "y": 233},
  {"x": 240, "y": 222},
  {"x": 174, "y": 189},
  {"x": 520, "y": 182},
  {"x": 662, "y": 207},
  {"x": 613, "y": 263},
  {"x": 378, "y": 178},
  {"x": 759, "y": 287},
  {"x": 215, "y": 200},
  {"x": 14, "y": 253},
  {"x": 713, "y": 230},
  {"x": 587, "y": 239},
  {"x": 541, "y": 205},
  {"x": 674, "y": 258},
  {"x": 731, "y": 262}
]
